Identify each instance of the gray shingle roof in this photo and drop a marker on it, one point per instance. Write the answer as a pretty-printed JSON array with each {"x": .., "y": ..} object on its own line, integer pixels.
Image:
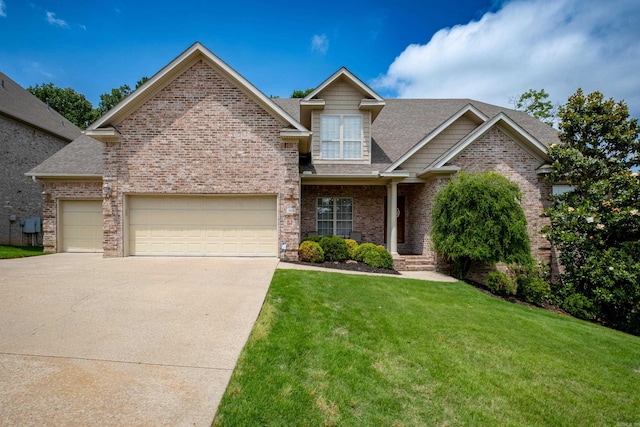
[
  {"x": 82, "y": 157},
  {"x": 21, "y": 105},
  {"x": 403, "y": 123}
]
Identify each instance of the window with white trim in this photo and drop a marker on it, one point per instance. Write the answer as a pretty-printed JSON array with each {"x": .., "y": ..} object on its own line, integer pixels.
[
  {"x": 341, "y": 136},
  {"x": 334, "y": 216}
]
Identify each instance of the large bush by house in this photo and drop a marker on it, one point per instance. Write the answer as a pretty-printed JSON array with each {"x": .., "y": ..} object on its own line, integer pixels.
[
  {"x": 478, "y": 217},
  {"x": 596, "y": 227},
  {"x": 335, "y": 248},
  {"x": 361, "y": 251},
  {"x": 310, "y": 251},
  {"x": 378, "y": 257}
]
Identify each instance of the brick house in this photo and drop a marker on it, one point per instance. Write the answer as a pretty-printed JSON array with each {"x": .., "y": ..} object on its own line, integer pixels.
[
  {"x": 30, "y": 132},
  {"x": 199, "y": 162}
]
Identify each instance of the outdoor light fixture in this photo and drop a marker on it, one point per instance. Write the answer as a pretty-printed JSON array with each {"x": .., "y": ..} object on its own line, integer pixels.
[{"x": 107, "y": 191}]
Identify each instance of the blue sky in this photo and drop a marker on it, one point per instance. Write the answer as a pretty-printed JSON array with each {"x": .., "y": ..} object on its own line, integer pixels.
[{"x": 480, "y": 49}]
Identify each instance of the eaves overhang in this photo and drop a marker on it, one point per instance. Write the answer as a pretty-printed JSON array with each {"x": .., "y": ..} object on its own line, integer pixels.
[
  {"x": 441, "y": 171},
  {"x": 107, "y": 134},
  {"x": 65, "y": 176}
]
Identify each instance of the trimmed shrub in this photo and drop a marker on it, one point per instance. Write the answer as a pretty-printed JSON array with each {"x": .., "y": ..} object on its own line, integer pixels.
[
  {"x": 501, "y": 284},
  {"x": 362, "y": 250},
  {"x": 335, "y": 248},
  {"x": 579, "y": 306},
  {"x": 310, "y": 252},
  {"x": 532, "y": 283},
  {"x": 378, "y": 258},
  {"x": 311, "y": 239},
  {"x": 352, "y": 245}
]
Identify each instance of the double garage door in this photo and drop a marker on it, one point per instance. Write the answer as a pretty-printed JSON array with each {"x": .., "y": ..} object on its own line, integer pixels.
[
  {"x": 203, "y": 226},
  {"x": 181, "y": 226}
]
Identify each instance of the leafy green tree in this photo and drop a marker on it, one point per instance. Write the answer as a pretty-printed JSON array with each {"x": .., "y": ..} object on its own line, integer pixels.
[
  {"x": 142, "y": 81},
  {"x": 596, "y": 227},
  {"x": 71, "y": 104},
  {"x": 478, "y": 217},
  {"x": 536, "y": 104},
  {"x": 302, "y": 93},
  {"x": 109, "y": 100}
]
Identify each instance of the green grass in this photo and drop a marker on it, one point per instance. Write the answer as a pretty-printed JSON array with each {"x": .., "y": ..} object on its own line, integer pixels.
[
  {"x": 334, "y": 349},
  {"x": 19, "y": 251}
]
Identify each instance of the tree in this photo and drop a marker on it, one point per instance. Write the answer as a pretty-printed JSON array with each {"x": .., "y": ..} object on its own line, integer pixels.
[
  {"x": 71, "y": 104},
  {"x": 596, "y": 227},
  {"x": 478, "y": 217},
  {"x": 301, "y": 93},
  {"x": 108, "y": 100},
  {"x": 536, "y": 104}
]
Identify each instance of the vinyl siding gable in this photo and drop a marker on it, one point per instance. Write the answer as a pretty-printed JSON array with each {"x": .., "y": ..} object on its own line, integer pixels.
[
  {"x": 341, "y": 98},
  {"x": 440, "y": 144}
]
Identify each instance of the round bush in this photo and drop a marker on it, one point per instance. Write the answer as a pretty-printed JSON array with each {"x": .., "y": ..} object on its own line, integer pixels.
[
  {"x": 335, "y": 249},
  {"x": 310, "y": 252},
  {"x": 352, "y": 245},
  {"x": 501, "y": 284},
  {"x": 378, "y": 258},
  {"x": 362, "y": 250}
]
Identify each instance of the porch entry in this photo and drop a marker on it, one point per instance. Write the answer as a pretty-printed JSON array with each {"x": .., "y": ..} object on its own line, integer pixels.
[{"x": 401, "y": 217}]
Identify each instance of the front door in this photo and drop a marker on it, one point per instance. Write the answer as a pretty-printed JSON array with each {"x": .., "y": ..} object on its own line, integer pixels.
[{"x": 400, "y": 221}]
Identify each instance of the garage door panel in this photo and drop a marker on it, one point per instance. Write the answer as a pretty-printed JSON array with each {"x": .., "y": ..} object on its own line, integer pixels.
[
  {"x": 81, "y": 225},
  {"x": 203, "y": 226}
]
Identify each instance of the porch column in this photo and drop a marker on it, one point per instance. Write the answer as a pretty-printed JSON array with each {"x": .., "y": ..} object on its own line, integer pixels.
[{"x": 392, "y": 218}]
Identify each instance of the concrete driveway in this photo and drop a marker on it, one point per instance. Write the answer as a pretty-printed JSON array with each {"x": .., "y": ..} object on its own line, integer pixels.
[{"x": 87, "y": 340}]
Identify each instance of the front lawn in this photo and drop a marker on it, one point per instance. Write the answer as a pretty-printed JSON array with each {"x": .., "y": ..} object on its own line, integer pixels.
[
  {"x": 19, "y": 251},
  {"x": 334, "y": 349}
]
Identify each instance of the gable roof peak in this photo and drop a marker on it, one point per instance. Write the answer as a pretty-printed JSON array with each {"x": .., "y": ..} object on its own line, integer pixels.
[
  {"x": 197, "y": 51},
  {"x": 344, "y": 72}
]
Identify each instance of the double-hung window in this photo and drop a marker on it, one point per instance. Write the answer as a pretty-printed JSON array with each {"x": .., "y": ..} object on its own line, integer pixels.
[
  {"x": 334, "y": 216},
  {"x": 341, "y": 136}
]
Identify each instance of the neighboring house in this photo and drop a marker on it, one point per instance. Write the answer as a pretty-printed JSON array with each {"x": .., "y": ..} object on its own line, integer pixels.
[
  {"x": 30, "y": 132},
  {"x": 199, "y": 162}
]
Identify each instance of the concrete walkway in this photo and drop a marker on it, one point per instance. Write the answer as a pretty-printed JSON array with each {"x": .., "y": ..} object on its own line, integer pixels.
[
  {"x": 135, "y": 341},
  {"x": 419, "y": 275}
]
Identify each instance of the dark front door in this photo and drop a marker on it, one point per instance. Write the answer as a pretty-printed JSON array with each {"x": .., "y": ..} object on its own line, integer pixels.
[{"x": 400, "y": 224}]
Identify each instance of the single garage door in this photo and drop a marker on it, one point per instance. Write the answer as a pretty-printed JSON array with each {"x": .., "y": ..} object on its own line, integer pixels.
[
  {"x": 81, "y": 225},
  {"x": 203, "y": 226}
]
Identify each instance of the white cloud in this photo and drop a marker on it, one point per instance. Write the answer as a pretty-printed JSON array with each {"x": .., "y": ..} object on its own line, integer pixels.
[
  {"x": 51, "y": 19},
  {"x": 3, "y": 8},
  {"x": 528, "y": 44},
  {"x": 320, "y": 43}
]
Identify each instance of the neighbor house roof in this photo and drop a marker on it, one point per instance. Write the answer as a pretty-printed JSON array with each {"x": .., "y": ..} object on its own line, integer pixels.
[
  {"x": 80, "y": 158},
  {"x": 18, "y": 104}
]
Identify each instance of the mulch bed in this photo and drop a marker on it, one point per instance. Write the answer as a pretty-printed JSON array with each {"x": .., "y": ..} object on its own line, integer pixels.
[{"x": 351, "y": 266}]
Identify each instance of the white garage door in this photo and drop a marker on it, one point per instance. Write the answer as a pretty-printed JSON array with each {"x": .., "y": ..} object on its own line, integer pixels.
[
  {"x": 81, "y": 225},
  {"x": 203, "y": 226}
]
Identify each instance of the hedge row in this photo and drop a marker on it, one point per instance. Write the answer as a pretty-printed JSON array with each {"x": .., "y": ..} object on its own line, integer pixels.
[{"x": 318, "y": 249}]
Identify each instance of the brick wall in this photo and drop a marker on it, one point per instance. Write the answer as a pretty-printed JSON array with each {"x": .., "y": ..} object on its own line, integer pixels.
[
  {"x": 201, "y": 135},
  {"x": 54, "y": 192},
  {"x": 21, "y": 149}
]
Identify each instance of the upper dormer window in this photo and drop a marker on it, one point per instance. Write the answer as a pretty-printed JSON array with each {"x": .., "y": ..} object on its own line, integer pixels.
[{"x": 341, "y": 136}]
